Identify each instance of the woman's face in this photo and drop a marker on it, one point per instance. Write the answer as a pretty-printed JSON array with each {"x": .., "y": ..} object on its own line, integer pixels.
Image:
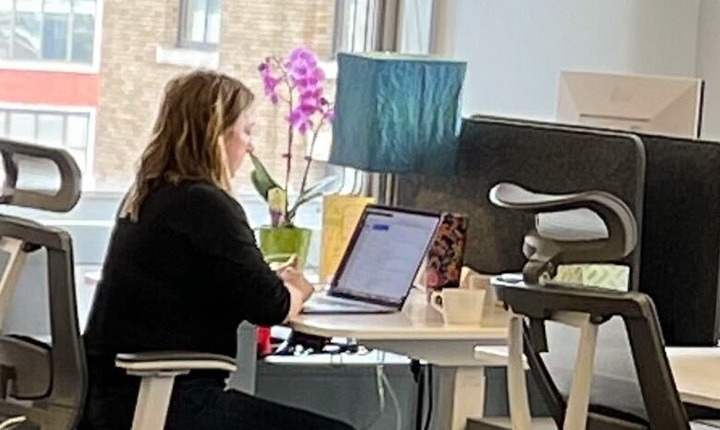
[{"x": 238, "y": 140}]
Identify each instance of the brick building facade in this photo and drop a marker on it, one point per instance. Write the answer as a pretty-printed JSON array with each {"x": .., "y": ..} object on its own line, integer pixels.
[{"x": 139, "y": 54}]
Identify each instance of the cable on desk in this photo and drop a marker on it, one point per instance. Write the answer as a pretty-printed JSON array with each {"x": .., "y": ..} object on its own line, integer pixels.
[
  {"x": 428, "y": 417},
  {"x": 379, "y": 372}
]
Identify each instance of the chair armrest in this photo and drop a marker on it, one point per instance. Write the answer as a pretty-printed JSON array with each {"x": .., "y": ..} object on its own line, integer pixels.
[
  {"x": 545, "y": 249},
  {"x": 170, "y": 361},
  {"x": 617, "y": 216}
]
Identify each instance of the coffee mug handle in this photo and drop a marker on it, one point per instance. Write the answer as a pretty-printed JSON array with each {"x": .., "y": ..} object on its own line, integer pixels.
[{"x": 434, "y": 302}]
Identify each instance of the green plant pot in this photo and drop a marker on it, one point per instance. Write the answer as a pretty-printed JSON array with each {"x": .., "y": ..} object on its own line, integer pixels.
[{"x": 279, "y": 243}]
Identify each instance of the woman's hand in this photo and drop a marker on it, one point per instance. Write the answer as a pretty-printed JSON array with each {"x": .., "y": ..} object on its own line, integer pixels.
[
  {"x": 294, "y": 278},
  {"x": 291, "y": 262},
  {"x": 299, "y": 288}
]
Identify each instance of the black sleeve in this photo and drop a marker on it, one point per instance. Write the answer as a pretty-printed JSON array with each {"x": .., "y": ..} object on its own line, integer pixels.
[{"x": 217, "y": 226}]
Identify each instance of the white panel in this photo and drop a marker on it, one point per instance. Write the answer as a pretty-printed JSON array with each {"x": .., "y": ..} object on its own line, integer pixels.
[{"x": 516, "y": 48}]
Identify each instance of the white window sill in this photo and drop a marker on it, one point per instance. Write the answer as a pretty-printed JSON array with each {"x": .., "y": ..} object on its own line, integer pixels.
[
  {"x": 195, "y": 58},
  {"x": 49, "y": 66}
]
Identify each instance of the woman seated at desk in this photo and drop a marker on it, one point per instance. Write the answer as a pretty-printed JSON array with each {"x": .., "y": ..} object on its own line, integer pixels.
[{"x": 183, "y": 269}]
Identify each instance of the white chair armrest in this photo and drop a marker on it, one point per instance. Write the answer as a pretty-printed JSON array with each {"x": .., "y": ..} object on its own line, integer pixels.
[
  {"x": 172, "y": 361},
  {"x": 157, "y": 371}
]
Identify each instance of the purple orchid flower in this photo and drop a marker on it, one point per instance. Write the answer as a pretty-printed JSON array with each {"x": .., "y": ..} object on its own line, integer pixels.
[
  {"x": 329, "y": 115},
  {"x": 300, "y": 61},
  {"x": 300, "y": 119},
  {"x": 300, "y": 79},
  {"x": 270, "y": 82}
]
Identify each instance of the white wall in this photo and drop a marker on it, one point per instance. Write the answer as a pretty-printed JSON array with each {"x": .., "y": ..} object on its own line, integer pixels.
[
  {"x": 708, "y": 66},
  {"x": 516, "y": 48}
]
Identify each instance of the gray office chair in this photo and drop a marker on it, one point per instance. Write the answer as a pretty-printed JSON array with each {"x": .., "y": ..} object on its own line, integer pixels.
[
  {"x": 43, "y": 384},
  {"x": 620, "y": 378}
]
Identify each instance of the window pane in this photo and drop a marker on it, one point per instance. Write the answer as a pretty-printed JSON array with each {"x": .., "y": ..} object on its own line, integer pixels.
[
  {"x": 6, "y": 21},
  {"x": 55, "y": 33},
  {"x": 50, "y": 130},
  {"x": 22, "y": 127},
  {"x": 212, "y": 33},
  {"x": 57, "y": 6},
  {"x": 26, "y": 39},
  {"x": 82, "y": 39},
  {"x": 3, "y": 129},
  {"x": 80, "y": 158},
  {"x": 195, "y": 13},
  {"x": 32, "y": 6},
  {"x": 84, "y": 7},
  {"x": 77, "y": 131}
]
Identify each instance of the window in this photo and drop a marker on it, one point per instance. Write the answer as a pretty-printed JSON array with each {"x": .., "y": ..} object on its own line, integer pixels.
[
  {"x": 47, "y": 30},
  {"x": 126, "y": 89},
  {"x": 199, "y": 23},
  {"x": 68, "y": 130}
]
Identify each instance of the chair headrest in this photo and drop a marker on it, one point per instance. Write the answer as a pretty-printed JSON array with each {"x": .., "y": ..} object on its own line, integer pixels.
[
  {"x": 585, "y": 243},
  {"x": 17, "y": 155}
]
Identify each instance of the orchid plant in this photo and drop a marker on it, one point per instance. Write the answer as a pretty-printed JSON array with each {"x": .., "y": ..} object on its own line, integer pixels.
[{"x": 295, "y": 83}]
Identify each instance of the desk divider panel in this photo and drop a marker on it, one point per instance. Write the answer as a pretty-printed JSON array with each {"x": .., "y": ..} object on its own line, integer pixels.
[
  {"x": 542, "y": 157},
  {"x": 680, "y": 238}
]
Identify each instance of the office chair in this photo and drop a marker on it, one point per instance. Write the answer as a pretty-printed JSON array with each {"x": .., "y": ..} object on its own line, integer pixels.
[
  {"x": 43, "y": 384},
  {"x": 621, "y": 378}
]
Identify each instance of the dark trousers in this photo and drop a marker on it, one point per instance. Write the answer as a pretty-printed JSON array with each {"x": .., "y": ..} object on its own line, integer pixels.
[{"x": 198, "y": 404}]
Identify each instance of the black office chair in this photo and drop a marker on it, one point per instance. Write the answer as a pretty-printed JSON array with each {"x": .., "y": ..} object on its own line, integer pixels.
[
  {"x": 43, "y": 383},
  {"x": 621, "y": 378}
]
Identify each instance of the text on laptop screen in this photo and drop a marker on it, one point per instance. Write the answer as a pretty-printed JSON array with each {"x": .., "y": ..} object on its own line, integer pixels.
[{"x": 386, "y": 254}]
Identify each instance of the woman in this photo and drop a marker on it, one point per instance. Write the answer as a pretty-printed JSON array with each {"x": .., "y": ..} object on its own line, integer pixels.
[{"x": 183, "y": 269}]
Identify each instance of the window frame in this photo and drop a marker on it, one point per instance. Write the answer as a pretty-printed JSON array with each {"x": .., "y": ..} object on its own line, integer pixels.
[
  {"x": 62, "y": 66},
  {"x": 183, "y": 41},
  {"x": 88, "y": 181}
]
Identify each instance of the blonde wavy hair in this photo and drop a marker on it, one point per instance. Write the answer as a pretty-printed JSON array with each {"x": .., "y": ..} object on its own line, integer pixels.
[{"x": 188, "y": 138}]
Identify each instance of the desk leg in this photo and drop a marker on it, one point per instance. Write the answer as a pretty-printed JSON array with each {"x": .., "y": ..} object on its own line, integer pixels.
[{"x": 461, "y": 394}]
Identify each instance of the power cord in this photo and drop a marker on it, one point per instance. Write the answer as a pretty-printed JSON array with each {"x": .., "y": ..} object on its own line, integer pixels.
[
  {"x": 393, "y": 397},
  {"x": 379, "y": 371}
]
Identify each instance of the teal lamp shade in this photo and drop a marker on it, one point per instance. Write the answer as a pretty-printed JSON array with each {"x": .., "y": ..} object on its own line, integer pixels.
[{"x": 397, "y": 113}]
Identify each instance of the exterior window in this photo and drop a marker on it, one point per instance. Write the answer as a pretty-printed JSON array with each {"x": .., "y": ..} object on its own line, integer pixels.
[
  {"x": 114, "y": 102},
  {"x": 199, "y": 23},
  {"x": 47, "y": 30},
  {"x": 68, "y": 130}
]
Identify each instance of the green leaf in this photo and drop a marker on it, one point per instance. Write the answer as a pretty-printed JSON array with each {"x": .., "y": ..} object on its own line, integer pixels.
[
  {"x": 311, "y": 193},
  {"x": 261, "y": 179}
]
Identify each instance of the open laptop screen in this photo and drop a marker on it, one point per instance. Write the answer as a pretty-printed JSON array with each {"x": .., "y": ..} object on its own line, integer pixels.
[{"x": 385, "y": 254}]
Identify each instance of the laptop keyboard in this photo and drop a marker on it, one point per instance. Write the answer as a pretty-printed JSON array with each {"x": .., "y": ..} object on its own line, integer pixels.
[
  {"x": 322, "y": 300},
  {"x": 330, "y": 300}
]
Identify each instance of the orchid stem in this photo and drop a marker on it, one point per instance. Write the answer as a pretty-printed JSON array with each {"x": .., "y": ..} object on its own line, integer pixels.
[{"x": 308, "y": 161}]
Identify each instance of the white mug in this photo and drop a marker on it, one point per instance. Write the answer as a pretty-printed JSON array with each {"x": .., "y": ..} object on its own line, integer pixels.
[{"x": 459, "y": 305}]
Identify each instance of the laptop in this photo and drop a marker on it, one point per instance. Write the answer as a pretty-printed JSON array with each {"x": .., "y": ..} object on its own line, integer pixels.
[{"x": 378, "y": 268}]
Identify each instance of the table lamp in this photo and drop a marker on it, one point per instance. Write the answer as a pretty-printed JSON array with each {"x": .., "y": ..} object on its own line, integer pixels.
[{"x": 397, "y": 113}]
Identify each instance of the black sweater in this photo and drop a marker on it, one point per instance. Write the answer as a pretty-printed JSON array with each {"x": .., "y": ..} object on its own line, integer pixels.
[{"x": 182, "y": 278}]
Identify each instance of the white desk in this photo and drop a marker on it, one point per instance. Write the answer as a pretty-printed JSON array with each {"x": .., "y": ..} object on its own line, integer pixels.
[
  {"x": 697, "y": 375},
  {"x": 419, "y": 332}
]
